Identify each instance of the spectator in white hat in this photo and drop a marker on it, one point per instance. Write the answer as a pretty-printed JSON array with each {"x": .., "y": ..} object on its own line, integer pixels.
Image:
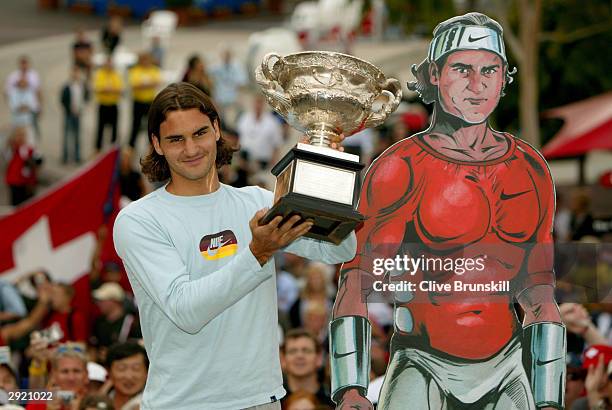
[
  {"x": 97, "y": 376},
  {"x": 115, "y": 324}
]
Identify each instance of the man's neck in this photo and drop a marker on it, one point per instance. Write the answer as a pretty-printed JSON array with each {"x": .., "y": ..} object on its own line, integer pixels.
[
  {"x": 120, "y": 400},
  {"x": 204, "y": 186},
  {"x": 308, "y": 383}
]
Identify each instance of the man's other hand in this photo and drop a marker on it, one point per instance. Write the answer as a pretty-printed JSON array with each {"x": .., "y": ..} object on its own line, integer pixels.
[{"x": 273, "y": 236}]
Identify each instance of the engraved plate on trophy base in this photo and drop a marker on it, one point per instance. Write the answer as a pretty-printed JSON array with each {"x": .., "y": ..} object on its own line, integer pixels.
[{"x": 319, "y": 184}]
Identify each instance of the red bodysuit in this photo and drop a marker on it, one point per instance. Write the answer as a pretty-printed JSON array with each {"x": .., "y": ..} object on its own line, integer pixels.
[{"x": 420, "y": 202}]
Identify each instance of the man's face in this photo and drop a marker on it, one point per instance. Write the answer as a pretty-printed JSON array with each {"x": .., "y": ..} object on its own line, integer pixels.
[
  {"x": 129, "y": 375},
  {"x": 145, "y": 60},
  {"x": 71, "y": 374},
  {"x": 188, "y": 141},
  {"x": 107, "y": 306},
  {"x": 7, "y": 381},
  {"x": 59, "y": 297},
  {"x": 24, "y": 64},
  {"x": 574, "y": 385},
  {"x": 469, "y": 84},
  {"x": 301, "y": 357},
  {"x": 75, "y": 74}
]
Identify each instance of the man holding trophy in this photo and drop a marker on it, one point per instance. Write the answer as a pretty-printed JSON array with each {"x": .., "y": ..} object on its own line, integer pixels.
[
  {"x": 458, "y": 189},
  {"x": 200, "y": 261}
]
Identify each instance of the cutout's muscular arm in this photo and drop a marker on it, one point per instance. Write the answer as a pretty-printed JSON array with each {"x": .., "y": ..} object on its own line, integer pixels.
[
  {"x": 543, "y": 332},
  {"x": 536, "y": 291},
  {"x": 387, "y": 190},
  {"x": 384, "y": 201}
]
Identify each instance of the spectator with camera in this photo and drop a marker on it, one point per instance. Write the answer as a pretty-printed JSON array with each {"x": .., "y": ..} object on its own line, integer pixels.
[
  {"x": 68, "y": 378},
  {"x": 73, "y": 322}
]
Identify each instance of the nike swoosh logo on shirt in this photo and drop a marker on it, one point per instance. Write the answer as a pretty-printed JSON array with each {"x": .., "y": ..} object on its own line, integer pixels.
[{"x": 505, "y": 196}]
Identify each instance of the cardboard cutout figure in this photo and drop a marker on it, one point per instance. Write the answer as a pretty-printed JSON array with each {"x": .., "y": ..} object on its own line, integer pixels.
[{"x": 458, "y": 192}]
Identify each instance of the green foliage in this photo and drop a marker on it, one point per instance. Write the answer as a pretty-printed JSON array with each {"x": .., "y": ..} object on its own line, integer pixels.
[
  {"x": 568, "y": 71},
  {"x": 419, "y": 16}
]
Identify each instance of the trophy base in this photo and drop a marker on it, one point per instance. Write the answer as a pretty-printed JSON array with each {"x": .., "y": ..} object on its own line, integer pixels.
[{"x": 332, "y": 221}]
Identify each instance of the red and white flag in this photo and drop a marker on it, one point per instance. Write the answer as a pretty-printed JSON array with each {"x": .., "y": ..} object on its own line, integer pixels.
[{"x": 56, "y": 231}]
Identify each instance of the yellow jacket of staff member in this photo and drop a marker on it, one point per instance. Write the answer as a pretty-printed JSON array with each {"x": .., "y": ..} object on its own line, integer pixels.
[
  {"x": 144, "y": 81},
  {"x": 108, "y": 86}
]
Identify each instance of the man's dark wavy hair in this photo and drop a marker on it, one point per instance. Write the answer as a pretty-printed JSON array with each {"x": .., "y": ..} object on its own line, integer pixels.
[
  {"x": 175, "y": 97},
  {"x": 426, "y": 90}
]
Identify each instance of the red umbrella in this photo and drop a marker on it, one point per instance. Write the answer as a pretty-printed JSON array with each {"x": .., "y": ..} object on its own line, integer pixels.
[{"x": 588, "y": 126}]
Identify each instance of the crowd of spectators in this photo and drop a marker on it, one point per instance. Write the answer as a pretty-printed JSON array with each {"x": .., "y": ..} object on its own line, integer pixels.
[{"x": 87, "y": 348}]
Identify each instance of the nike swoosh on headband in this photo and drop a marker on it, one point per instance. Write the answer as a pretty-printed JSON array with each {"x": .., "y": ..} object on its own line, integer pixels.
[{"x": 472, "y": 39}]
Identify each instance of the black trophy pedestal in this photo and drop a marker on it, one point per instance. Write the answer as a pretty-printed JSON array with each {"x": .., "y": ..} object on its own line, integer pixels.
[{"x": 318, "y": 184}]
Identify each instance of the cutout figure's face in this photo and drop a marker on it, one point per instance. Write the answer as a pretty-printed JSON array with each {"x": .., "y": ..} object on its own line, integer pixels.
[{"x": 469, "y": 84}]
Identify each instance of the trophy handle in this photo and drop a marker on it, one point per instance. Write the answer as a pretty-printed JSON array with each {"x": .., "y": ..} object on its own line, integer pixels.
[
  {"x": 392, "y": 90},
  {"x": 272, "y": 75},
  {"x": 268, "y": 80}
]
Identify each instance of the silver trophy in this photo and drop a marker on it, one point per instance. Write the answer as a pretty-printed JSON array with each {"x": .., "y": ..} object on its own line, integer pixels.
[{"x": 324, "y": 94}]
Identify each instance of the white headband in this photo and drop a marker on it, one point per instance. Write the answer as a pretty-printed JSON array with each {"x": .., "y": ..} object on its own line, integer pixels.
[{"x": 466, "y": 38}]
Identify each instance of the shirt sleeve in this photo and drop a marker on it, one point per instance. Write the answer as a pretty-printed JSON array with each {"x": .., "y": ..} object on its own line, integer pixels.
[
  {"x": 317, "y": 250},
  {"x": 324, "y": 251},
  {"x": 152, "y": 260},
  {"x": 34, "y": 79},
  {"x": 11, "y": 300}
]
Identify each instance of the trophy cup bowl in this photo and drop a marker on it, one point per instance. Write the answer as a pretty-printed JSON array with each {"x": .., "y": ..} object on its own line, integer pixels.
[{"x": 323, "y": 94}]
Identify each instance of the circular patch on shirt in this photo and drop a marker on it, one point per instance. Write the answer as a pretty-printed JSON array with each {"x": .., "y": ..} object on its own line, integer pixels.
[{"x": 218, "y": 245}]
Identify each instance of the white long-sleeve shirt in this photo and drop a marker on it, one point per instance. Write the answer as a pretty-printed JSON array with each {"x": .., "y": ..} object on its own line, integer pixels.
[{"x": 208, "y": 310}]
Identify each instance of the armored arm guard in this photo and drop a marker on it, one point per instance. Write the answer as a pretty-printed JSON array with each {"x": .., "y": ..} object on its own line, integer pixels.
[
  {"x": 350, "y": 354},
  {"x": 546, "y": 363}
]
